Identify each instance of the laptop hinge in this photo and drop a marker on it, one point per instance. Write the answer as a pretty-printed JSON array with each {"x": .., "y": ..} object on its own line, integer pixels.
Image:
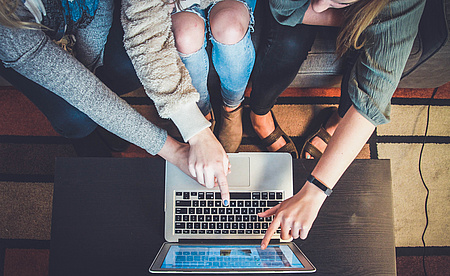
[{"x": 221, "y": 241}]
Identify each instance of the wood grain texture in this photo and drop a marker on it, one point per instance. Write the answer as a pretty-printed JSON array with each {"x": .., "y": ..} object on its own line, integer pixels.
[{"x": 108, "y": 218}]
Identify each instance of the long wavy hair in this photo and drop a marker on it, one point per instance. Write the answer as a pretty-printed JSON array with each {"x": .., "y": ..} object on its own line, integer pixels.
[
  {"x": 358, "y": 17},
  {"x": 9, "y": 18}
]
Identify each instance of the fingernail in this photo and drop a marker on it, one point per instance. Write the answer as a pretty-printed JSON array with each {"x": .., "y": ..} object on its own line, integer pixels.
[{"x": 225, "y": 202}]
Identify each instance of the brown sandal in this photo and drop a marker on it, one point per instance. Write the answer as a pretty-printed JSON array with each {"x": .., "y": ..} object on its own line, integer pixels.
[
  {"x": 317, "y": 129},
  {"x": 275, "y": 135}
]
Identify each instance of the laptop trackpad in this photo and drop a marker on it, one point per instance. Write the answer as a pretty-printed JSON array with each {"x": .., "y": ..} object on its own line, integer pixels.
[{"x": 240, "y": 172}]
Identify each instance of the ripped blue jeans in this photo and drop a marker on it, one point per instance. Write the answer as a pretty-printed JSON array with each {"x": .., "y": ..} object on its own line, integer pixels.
[{"x": 233, "y": 63}]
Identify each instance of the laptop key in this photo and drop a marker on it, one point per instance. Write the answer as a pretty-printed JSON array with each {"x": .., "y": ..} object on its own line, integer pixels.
[
  {"x": 183, "y": 203},
  {"x": 180, "y": 225},
  {"x": 240, "y": 195},
  {"x": 181, "y": 211},
  {"x": 256, "y": 195}
]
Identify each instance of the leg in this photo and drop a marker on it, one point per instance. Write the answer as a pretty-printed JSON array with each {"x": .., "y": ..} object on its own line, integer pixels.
[
  {"x": 65, "y": 119},
  {"x": 189, "y": 31},
  {"x": 233, "y": 57},
  {"x": 344, "y": 105},
  {"x": 283, "y": 51},
  {"x": 233, "y": 53}
]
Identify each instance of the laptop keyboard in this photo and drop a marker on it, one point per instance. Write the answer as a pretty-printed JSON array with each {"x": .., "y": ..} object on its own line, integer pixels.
[{"x": 202, "y": 213}]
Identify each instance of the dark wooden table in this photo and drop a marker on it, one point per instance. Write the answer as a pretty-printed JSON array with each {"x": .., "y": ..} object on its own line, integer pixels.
[{"x": 108, "y": 218}]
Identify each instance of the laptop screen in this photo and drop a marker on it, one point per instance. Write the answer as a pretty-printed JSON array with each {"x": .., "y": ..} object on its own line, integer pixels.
[{"x": 230, "y": 258}]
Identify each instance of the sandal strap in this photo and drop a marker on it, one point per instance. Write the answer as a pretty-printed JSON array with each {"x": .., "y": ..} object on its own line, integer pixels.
[
  {"x": 273, "y": 137},
  {"x": 324, "y": 135},
  {"x": 290, "y": 148},
  {"x": 312, "y": 150}
]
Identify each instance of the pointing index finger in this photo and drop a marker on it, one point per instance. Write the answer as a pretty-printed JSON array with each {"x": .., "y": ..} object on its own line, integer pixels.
[
  {"x": 269, "y": 233},
  {"x": 223, "y": 186}
]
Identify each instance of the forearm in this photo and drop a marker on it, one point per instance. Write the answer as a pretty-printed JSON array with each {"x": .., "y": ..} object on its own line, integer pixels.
[
  {"x": 34, "y": 56},
  {"x": 350, "y": 136}
]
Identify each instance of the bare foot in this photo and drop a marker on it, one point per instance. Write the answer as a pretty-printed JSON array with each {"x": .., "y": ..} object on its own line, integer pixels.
[
  {"x": 264, "y": 126},
  {"x": 330, "y": 127}
]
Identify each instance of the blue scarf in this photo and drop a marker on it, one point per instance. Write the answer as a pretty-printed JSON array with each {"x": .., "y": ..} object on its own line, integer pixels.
[{"x": 79, "y": 12}]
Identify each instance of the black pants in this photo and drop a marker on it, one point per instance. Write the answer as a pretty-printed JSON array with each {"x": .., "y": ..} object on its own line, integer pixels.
[{"x": 280, "y": 53}]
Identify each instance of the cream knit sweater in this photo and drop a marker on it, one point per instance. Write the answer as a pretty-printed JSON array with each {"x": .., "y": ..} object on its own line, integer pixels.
[{"x": 150, "y": 44}]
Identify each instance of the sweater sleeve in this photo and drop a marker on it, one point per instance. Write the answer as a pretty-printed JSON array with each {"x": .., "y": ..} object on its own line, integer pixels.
[
  {"x": 32, "y": 54},
  {"x": 149, "y": 42},
  {"x": 289, "y": 12}
]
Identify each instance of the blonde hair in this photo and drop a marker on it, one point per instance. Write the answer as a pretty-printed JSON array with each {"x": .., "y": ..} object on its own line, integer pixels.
[
  {"x": 9, "y": 18},
  {"x": 358, "y": 17}
]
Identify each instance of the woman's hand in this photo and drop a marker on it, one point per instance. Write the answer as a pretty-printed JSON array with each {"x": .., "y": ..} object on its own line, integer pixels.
[
  {"x": 295, "y": 215},
  {"x": 208, "y": 162}
]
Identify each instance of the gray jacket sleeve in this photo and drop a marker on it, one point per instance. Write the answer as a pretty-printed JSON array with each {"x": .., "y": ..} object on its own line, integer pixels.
[
  {"x": 377, "y": 72},
  {"x": 32, "y": 54}
]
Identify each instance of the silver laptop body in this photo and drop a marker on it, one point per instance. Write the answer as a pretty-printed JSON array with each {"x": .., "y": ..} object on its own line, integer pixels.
[{"x": 266, "y": 177}]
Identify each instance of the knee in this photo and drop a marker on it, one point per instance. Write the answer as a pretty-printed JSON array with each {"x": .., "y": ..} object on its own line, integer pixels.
[
  {"x": 229, "y": 21},
  {"x": 74, "y": 124},
  {"x": 189, "y": 32}
]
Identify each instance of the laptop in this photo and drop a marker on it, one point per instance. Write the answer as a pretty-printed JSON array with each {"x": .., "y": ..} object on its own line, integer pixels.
[{"x": 203, "y": 236}]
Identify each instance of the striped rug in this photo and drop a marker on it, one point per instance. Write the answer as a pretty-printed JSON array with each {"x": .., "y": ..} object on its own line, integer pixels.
[{"x": 29, "y": 145}]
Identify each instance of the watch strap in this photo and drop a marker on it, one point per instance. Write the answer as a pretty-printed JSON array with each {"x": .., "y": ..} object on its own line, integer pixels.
[{"x": 319, "y": 184}]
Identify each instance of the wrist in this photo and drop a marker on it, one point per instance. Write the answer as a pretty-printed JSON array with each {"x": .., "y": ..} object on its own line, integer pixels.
[
  {"x": 201, "y": 136},
  {"x": 311, "y": 179}
]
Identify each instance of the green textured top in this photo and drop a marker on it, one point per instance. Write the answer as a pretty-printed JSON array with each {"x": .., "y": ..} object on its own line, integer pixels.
[{"x": 378, "y": 69}]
